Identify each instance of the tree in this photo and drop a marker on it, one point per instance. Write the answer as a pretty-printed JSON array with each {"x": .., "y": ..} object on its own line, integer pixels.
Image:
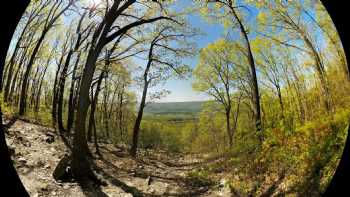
[
  {"x": 325, "y": 23},
  {"x": 160, "y": 54},
  {"x": 271, "y": 68},
  {"x": 234, "y": 17},
  {"x": 82, "y": 35},
  {"x": 215, "y": 75},
  {"x": 52, "y": 17},
  {"x": 102, "y": 35},
  {"x": 30, "y": 16},
  {"x": 55, "y": 93},
  {"x": 289, "y": 21}
]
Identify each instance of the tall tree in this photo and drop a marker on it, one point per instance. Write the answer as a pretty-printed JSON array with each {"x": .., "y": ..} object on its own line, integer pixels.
[
  {"x": 53, "y": 15},
  {"x": 231, "y": 9},
  {"x": 30, "y": 17},
  {"x": 81, "y": 37},
  {"x": 289, "y": 20},
  {"x": 102, "y": 35},
  {"x": 214, "y": 75},
  {"x": 161, "y": 59}
]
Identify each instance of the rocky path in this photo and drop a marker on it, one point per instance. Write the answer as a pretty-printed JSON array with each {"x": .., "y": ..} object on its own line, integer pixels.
[{"x": 36, "y": 150}]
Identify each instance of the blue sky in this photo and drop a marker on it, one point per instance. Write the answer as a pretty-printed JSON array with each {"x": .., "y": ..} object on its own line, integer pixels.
[{"x": 181, "y": 90}]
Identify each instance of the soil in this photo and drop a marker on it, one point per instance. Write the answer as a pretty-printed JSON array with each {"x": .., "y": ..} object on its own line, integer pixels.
[{"x": 36, "y": 150}]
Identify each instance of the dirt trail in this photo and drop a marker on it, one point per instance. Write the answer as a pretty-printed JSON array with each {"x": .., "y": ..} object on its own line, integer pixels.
[{"x": 38, "y": 149}]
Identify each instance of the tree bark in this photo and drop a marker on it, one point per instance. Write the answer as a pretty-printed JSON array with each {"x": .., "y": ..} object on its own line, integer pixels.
[
  {"x": 256, "y": 96},
  {"x": 49, "y": 22},
  {"x": 93, "y": 109},
  {"x": 137, "y": 124},
  {"x": 23, "y": 99},
  {"x": 228, "y": 127},
  {"x": 60, "y": 90},
  {"x": 55, "y": 92},
  {"x": 13, "y": 57},
  {"x": 72, "y": 97}
]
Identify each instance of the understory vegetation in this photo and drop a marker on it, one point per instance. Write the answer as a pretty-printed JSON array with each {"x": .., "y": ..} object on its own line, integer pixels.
[{"x": 277, "y": 84}]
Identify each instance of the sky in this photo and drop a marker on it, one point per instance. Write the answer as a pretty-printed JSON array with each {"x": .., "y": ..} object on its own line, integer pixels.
[{"x": 181, "y": 90}]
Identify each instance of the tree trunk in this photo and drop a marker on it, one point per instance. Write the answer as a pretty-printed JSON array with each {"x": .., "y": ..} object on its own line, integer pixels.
[
  {"x": 71, "y": 101},
  {"x": 80, "y": 165},
  {"x": 55, "y": 93},
  {"x": 61, "y": 88},
  {"x": 137, "y": 124},
  {"x": 33, "y": 86},
  {"x": 23, "y": 99},
  {"x": 280, "y": 101},
  {"x": 12, "y": 62},
  {"x": 37, "y": 100},
  {"x": 256, "y": 97},
  {"x": 95, "y": 138},
  {"x": 228, "y": 127},
  {"x": 120, "y": 114},
  {"x": 13, "y": 83}
]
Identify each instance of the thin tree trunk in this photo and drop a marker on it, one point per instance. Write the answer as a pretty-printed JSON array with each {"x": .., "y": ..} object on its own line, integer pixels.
[
  {"x": 61, "y": 88},
  {"x": 23, "y": 99},
  {"x": 12, "y": 61},
  {"x": 228, "y": 127},
  {"x": 120, "y": 114},
  {"x": 13, "y": 83},
  {"x": 37, "y": 100},
  {"x": 34, "y": 86},
  {"x": 256, "y": 97},
  {"x": 71, "y": 101},
  {"x": 137, "y": 124}
]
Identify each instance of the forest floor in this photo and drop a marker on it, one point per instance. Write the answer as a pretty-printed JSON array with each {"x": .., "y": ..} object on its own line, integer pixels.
[{"x": 36, "y": 150}]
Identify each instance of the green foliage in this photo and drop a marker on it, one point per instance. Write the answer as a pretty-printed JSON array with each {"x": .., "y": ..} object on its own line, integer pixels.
[{"x": 199, "y": 178}]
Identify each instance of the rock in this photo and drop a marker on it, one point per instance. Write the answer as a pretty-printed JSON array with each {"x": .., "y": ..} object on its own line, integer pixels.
[
  {"x": 151, "y": 190},
  {"x": 11, "y": 150},
  {"x": 22, "y": 160},
  {"x": 222, "y": 183},
  {"x": 66, "y": 186},
  {"x": 149, "y": 180},
  {"x": 44, "y": 187},
  {"x": 49, "y": 138},
  {"x": 39, "y": 163},
  {"x": 27, "y": 144},
  {"x": 53, "y": 193},
  {"x": 25, "y": 170},
  {"x": 47, "y": 166},
  {"x": 62, "y": 171}
]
